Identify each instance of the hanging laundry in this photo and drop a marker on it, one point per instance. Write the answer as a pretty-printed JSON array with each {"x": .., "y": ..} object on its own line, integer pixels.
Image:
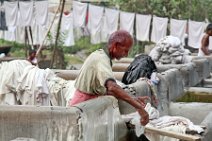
[
  {"x": 178, "y": 28},
  {"x": 9, "y": 35},
  {"x": 95, "y": 23},
  {"x": 127, "y": 21},
  {"x": 159, "y": 27},
  {"x": 1, "y": 34},
  {"x": 195, "y": 33},
  {"x": 67, "y": 30},
  {"x": 11, "y": 13},
  {"x": 20, "y": 34},
  {"x": 142, "y": 27},
  {"x": 112, "y": 17},
  {"x": 79, "y": 13},
  {"x": 41, "y": 12},
  {"x": 104, "y": 30},
  {"x": 26, "y": 13},
  {"x": 3, "y": 25}
]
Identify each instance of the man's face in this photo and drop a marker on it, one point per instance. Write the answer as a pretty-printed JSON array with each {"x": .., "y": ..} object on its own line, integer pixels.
[{"x": 121, "y": 50}]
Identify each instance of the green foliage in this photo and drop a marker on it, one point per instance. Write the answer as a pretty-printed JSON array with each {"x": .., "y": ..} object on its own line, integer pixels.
[
  {"x": 17, "y": 49},
  {"x": 197, "y": 10},
  {"x": 72, "y": 59}
]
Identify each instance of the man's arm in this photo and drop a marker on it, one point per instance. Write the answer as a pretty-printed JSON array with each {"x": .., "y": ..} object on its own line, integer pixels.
[
  {"x": 204, "y": 44},
  {"x": 115, "y": 90}
]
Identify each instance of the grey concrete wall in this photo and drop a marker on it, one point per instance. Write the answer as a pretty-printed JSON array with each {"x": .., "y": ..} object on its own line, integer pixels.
[
  {"x": 174, "y": 81},
  {"x": 39, "y": 123},
  {"x": 208, "y": 123},
  {"x": 202, "y": 67},
  {"x": 195, "y": 111},
  {"x": 97, "y": 119},
  {"x": 189, "y": 74}
]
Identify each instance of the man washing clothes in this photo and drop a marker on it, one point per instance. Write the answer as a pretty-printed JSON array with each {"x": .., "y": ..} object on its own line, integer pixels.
[{"x": 96, "y": 77}]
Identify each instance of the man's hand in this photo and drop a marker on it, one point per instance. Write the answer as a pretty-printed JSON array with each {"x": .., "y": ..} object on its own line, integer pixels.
[
  {"x": 143, "y": 100},
  {"x": 144, "y": 116}
]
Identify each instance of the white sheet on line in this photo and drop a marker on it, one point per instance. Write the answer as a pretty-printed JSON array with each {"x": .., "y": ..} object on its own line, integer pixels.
[
  {"x": 127, "y": 21},
  {"x": 1, "y": 34},
  {"x": 26, "y": 13},
  {"x": 67, "y": 29},
  {"x": 142, "y": 27},
  {"x": 79, "y": 13},
  {"x": 104, "y": 30},
  {"x": 195, "y": 32},
  {"x": 20, "y": 34},
  {"x": 53, "y": 29},
  {"x": 110, "y": 22},
  {"x": 178, "y": 28},
  {"x": 9, "y": 35},
  {"x": 41, "y": 12},
  {"x": 159, "y": 28},
  {"x": 11, "y": 13},
  {"x": 95, "y": 23}
]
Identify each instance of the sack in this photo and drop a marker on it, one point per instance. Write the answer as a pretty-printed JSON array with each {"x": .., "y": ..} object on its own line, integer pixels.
[{"x": 141, "y": 66}]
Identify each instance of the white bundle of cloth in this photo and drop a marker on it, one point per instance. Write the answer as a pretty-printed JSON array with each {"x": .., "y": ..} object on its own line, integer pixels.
[
  {"x": 9, "y": 71},
  {"x": 170, "y": 123},
  {"x": 169, "y": 50},
  {"x": 32, "y": 88},
  {"x": 22, "y": 82}
]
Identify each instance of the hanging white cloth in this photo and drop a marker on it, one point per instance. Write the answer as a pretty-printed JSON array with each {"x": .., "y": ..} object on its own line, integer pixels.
[
  {"x": 195, "y": 32},
  {"x": 159, "y": 28},
  {"x": 53, "y": 29},
  {"x": 110, "y": 22},
  {"x": 1, "y": 34},
  {"x": 11, "y": 13},
  {"x": 67, "y": 29},
  {"x": 79, "y": 13},
  {"x": 20, "y": 34},
  {"x": 178, "y": 28},
  {"x": 127, "y": 21},
  {"x": 9, "y": 35},
  {"x": 142, "y": 27},
  {"x": 104, "y": 30},
  {"x": 95, "y": 23},
  {"x": 41, "y": 12},
  {"x": 26, "y": 13}
]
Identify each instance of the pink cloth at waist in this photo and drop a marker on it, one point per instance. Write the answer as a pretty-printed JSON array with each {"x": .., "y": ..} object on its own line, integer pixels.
[{"x": 80, "y": 97}]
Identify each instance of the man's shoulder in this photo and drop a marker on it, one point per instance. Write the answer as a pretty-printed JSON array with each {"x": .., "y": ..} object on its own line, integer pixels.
[{"x": 99, "y": 52}]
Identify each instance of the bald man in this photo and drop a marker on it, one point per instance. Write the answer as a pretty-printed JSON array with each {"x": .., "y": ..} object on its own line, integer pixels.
[{"x": 96, "y": 77}]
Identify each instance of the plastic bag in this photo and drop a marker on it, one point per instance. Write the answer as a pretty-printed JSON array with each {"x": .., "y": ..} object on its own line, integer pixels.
[{"x": 141, "y": 66}]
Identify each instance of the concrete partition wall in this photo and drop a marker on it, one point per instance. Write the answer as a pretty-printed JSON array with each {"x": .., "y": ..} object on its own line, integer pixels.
[
  {"x": 39, "y": 123},
  {"x": 195, "y": 111},
  {"x": 93, "y": 120},
  {"x": 174, "y": 81},
  {"x": 202, "y": 67},
  {"x": 208, "y": 123},
  {"x": 101, "y": 120},
  {"x": 188, "y": 72},
  {"x": 198, "y": 113},
  {"x": 209, "y": 58}
]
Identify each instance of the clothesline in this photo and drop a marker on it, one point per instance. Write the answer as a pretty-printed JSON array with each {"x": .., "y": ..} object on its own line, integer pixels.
[{"x": 101, "y": 22}]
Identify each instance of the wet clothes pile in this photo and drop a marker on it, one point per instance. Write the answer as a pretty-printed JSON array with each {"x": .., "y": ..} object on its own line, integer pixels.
[{"x": 169, "y": 50}]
